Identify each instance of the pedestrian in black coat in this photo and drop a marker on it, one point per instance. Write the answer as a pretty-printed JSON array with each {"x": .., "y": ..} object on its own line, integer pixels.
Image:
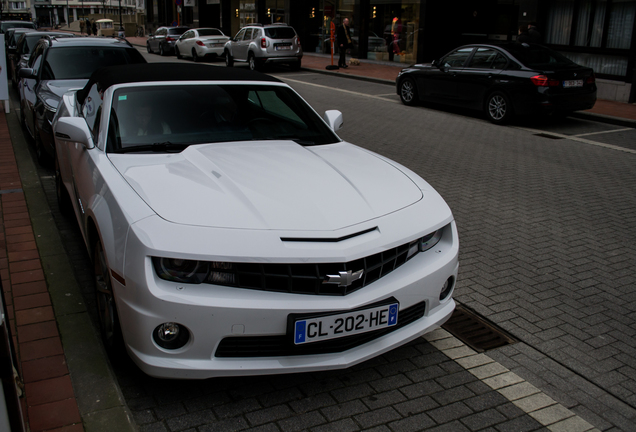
[
  {"x": 343, "y": 36},
  {"x": 533, "y": 32},
  {"x": 523, "y": 36}
]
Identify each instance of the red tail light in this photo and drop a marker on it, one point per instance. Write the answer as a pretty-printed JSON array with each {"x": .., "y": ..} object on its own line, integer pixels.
[
  {"x": 170, "y": 39},
  {"x": 544, "y": 81},
  {"x": 263, "y": 43},
  {"x": 200, "y": 43},
  {"x": 298, "y": 40},
  {"x": 591, "y": 79}
]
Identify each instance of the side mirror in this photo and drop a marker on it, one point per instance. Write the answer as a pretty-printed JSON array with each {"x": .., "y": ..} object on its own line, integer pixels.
[
  {"x": 149, "y": 34},
  {"x": 75, "y": 130},
  {"x": 334, "y": 119},
  {"x": 27, "y": 73},
  {"x": 436, "y": 63}
]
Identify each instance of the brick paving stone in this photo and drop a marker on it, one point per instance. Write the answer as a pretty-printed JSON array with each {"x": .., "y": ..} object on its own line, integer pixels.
[
  {"x": 53, "y": 415},
  {"x": 229, "y": 425},
  {"x": 280, "y": 397},
  {"x": 449, "y": 413},
  {"x": 48, "y": 367},
  {"x": 32, "y": 301},
  {"x": 154, "y": 427},
  {"x": 268, "y": 415},
  {"x": 345, "y": 425},
  {"x": 311, "y": 403},
  {"x": 418, "y": 422},
  {"x": 43, "y": 330},
  {"x": 519, "y": 424},
  {"x": 551, "y": 414},
  {"x": 302, "y": 422},
  {"x": 383, "y": 399},
  {"x": 415, "y": 406},
  {"x": 40, "y": 348},
  {"x": 347, "y": 409},
  {"x": 167, "y": 411},
  {"x": 237, "y": 408},
  {"x": 49, "y": 390},
  {"x": 186, "y": 421},
  {"x": 451, "y": 395},
  {"x": 376, "y": 417},
  {"x": 534, "y": 402},
  {"x": 483, "y": 419},
  {"x": 144, "y": 417},
  {"x": 35, "y": 315}
]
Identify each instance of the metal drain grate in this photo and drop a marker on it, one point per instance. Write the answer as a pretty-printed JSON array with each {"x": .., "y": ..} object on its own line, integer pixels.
[
  {"x": 545, "y": 135},
  {"x": 475, "y": 332}
]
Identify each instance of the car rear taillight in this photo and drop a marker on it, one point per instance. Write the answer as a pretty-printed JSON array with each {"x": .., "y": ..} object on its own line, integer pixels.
[
  {"x": 170, "y": 39},
  {"x": 263, "y": 43},
  {"x": 298, "y": 40},
  {"x": 544, "y": 81},
  {"x": 591, "y": 79},
  {"x": 200, "y": 43}
]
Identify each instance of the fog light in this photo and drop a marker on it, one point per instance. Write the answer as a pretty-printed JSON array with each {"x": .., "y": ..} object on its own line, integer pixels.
[
  {"x": 447, "y": 288},
  {"x": 171, "y": 335}
]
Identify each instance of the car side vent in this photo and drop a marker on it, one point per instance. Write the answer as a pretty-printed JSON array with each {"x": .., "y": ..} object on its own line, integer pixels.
[{"x": 326, "y": 239}]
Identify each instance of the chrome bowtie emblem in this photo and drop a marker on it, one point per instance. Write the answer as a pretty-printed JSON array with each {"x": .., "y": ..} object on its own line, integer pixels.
[{"x": 344, "y": 278}]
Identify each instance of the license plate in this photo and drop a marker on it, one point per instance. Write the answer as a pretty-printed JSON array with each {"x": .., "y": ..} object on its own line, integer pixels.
[
  {"x": 212, "y": 45},
  {"x": 345, "y": 324},
  {"x": 572, "y": 83},
  {"x": 284, "y": 47}
]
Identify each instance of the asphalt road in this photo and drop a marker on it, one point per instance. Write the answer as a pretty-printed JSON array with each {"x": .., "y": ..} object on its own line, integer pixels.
[{"x": 545, "y": 212}]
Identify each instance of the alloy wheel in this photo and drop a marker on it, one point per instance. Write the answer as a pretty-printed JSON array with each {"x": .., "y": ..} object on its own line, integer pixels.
[{"x": 497, "y": 107}]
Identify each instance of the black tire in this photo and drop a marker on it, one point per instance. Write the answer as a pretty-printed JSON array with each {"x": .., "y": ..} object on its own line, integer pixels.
[
  {"x": 63, "y": 198},
  {"x": 229, "y": 61},
  {"x": 42, "y": 155},
  {"x": 148, "y": 48},
  {"x": 161, "y": 51},
  {"x": 109, "y": 326},
  {"x": 195, "y": 57},
  {"x": 252, "y": 62},
  {"x": 177, "y": 52},
  {"x": 498, "y": 108},
  {"x": 408, "y": 92}
]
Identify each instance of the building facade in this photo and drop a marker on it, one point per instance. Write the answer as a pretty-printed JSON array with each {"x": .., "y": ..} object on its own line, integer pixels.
[{"x": 596, "y": 33}]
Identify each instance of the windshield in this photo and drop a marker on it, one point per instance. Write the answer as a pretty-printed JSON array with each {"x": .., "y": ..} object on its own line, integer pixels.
[
  {"x": 177, "y": 31},
  {"x": 173, "y": 117},
  {"x": 280, "y": 32},
  {"x": 539, "y": 57},
  {"x": 210, "y": 32},
  {"x": 80, "y": 62},
  {"x": 8, "y": 25}
]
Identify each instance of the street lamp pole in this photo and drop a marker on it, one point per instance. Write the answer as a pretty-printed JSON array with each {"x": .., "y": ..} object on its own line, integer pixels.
[
  {"x": 121, "y": 25},
  {"x": 68, "y": 15}
]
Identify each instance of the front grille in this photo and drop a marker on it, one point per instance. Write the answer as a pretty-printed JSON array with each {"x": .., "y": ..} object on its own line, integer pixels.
[
  {"x": 308, "y": 278},
  {"x": 283, "y": 345}
]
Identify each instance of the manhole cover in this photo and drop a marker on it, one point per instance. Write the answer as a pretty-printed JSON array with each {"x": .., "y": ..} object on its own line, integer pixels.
[{"x": 475, "y": 331}]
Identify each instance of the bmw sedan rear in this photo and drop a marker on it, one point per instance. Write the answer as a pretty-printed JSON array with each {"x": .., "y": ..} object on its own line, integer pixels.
[{"x": 501, "y": 80}]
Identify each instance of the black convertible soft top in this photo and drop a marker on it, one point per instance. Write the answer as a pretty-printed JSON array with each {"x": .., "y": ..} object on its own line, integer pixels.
[{"x": 148, "y": 72}]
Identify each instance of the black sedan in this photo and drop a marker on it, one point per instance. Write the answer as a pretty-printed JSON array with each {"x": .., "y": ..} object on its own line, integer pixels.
[{"x": 501, "y": 80}]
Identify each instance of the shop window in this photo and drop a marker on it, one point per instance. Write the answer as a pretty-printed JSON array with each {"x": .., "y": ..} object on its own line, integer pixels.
[{"x": 559, "y": 24}]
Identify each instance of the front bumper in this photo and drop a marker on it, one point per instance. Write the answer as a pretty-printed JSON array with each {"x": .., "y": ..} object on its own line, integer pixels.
[{"x": 212, "y": 313}]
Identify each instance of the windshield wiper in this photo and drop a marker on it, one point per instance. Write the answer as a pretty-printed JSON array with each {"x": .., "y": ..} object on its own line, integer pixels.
[{"x": 166, "y": 147}]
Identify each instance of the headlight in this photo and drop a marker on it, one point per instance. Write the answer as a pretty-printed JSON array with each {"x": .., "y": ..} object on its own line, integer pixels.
[
  {"x": 181, "y": 270},
  {"x": 430, "y": 240}
]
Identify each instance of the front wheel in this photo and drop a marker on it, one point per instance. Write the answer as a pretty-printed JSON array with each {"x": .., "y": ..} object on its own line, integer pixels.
[
  {"x": 408, "y": 92},
  {"x": 195, "y": 56},
  {"x": 148, "y": 48},
  {"x": 161, "y": 51},
  {"x": 177, "y": 53},
  {"x": 229, "y": 61},
  {"x": 498, "y": 108},
  {"x": 106, "y": 308},
  {"x": 251, "y": 60}
]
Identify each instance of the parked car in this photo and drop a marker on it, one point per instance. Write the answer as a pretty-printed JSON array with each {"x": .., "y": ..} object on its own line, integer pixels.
[
  {"x": 200, "y": 43},
  {"x": 55, "y": 66},
  {"x": 6, "y": 25},
  {"x": 238, "y": 234},
  {"x": 19, "y": 56},
  {"x": 163, "y": 40},
  {"x": 10, "y": 40},
  {"x": 261, "y": 44},
  {"x": 501, "y": 80}
]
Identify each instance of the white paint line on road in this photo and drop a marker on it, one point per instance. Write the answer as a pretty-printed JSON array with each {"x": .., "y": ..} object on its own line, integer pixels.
[
  {"x": 576, "y": 138},
  {"x": 517, "y": 390},
  {"x": 341, "y": 90},
  {"x": 604, "y": 132}
]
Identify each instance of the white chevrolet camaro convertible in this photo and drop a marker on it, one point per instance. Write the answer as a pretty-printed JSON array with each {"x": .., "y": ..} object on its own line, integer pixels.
[{"x": 237, "y": 234}]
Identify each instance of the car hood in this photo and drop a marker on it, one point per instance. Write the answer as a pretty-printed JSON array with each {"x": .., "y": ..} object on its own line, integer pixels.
[
  {"x": 59, "y": 87},
  {"x": 268, "y": 185}
]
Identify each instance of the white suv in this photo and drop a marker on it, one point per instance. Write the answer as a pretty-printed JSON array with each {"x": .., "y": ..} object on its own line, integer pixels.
[{"x": 258, "y": 44}]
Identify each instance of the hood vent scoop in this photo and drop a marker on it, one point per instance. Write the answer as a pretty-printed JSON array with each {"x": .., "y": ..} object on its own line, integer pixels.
[{"x": 326, "y": 239}]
